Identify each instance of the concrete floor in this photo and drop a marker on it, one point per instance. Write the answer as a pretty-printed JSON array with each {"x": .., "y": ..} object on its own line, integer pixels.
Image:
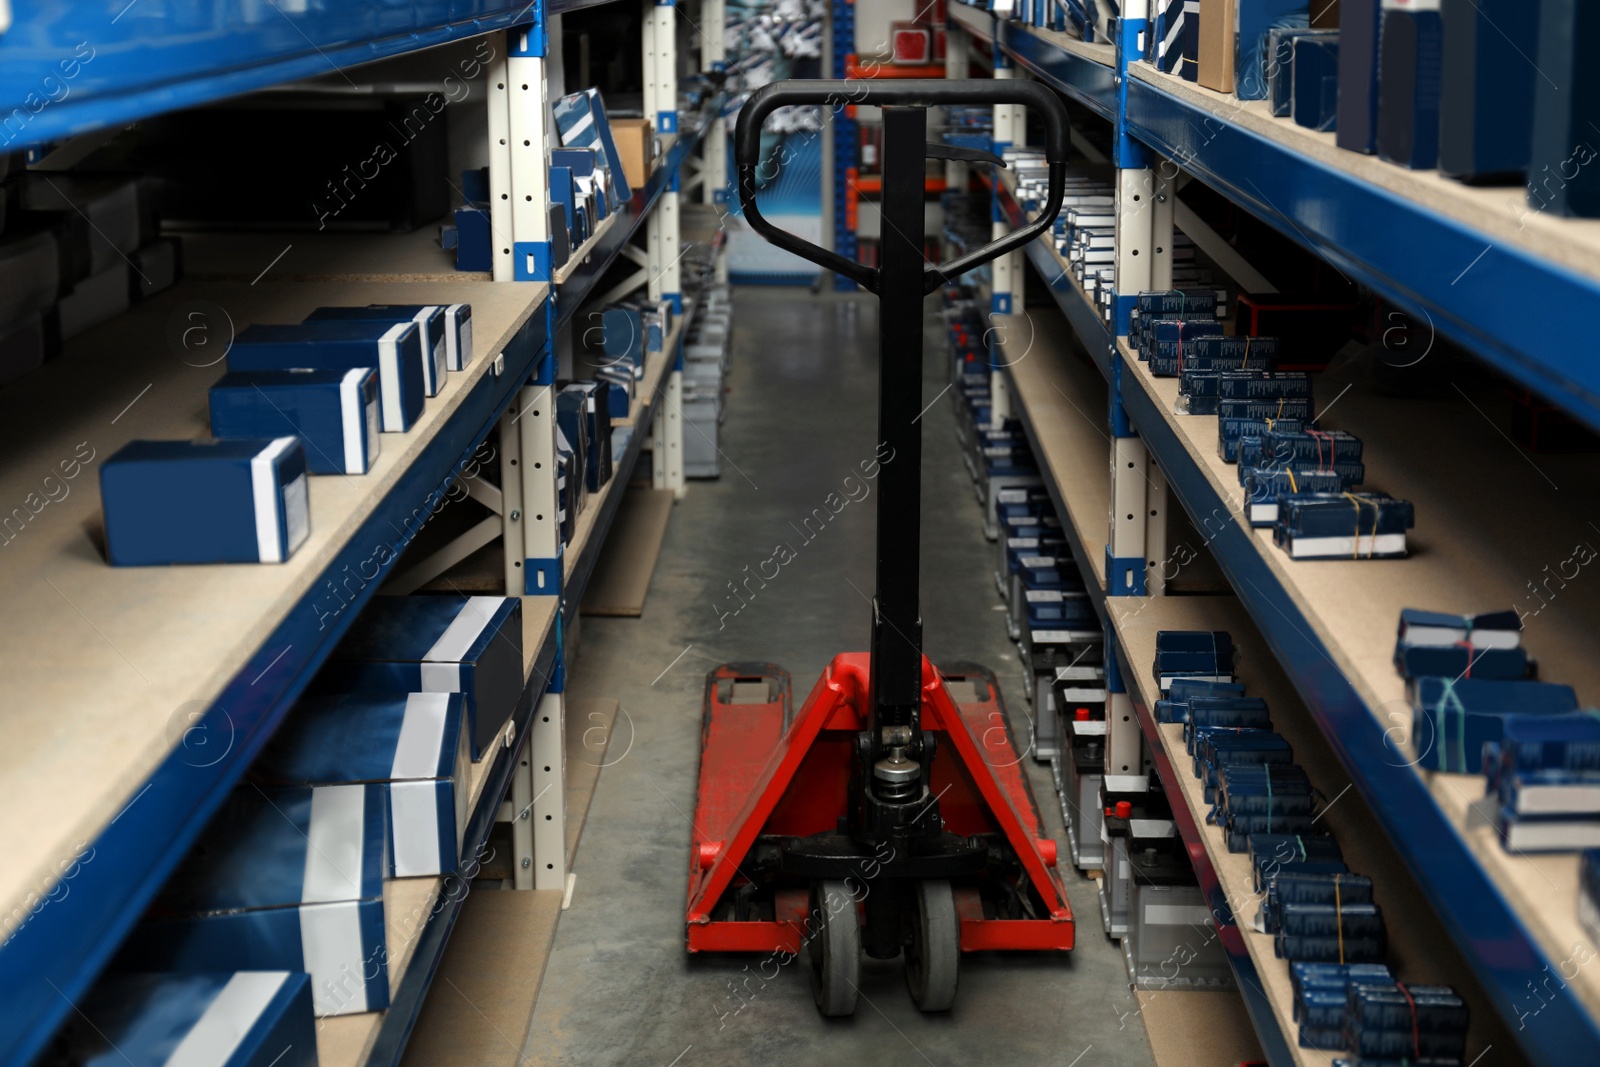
[{"x": 620, "y": 989}]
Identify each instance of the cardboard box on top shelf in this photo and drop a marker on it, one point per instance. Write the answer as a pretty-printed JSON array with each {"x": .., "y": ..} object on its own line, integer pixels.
[
  {"x": 1216, "y": 45},
  {"x": 636, "y": 144}
]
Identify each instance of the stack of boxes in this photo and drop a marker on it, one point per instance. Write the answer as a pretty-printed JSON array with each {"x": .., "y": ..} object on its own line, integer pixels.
[
  {"x": 310, "y": 398},
  {"x": 76, "y": 250},
  {"x": 1323, "y": 918},
  {"x": 1297, "y": 477},
  {"x": 367, "y": 781}
]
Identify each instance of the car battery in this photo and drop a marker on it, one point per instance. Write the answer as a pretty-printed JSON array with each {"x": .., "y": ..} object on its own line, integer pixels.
[
  {"x": 1060, "y": 695},
  {"x": 1057, "y": 573},
  {"x": 1124, "y": 800},
  {"x": 1023, "y": 535},
  {"x": 1039, "y": 670},
  {"x": 1005, "y": 465},
  {"x": 1172, "y": 940},
  {"x": 1083, "y": 771}
]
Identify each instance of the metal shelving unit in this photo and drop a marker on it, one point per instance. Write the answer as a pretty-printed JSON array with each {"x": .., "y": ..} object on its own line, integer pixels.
[
  {"x": 122, "y": 677},
  {"x": 1481, "y": 274}
]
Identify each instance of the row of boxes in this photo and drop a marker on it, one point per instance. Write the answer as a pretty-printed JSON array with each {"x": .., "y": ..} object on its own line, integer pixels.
[
  {"x": 76, "y": 250},
  {"x": 1487, "y": 91},
  {"x": 707, "y": 351},
  {"x": 279, "y": 914},
  {"x": 1298, "y": 477},
  {"x": 309, "y": 398},
  {"x": 1322, "y": 917}
]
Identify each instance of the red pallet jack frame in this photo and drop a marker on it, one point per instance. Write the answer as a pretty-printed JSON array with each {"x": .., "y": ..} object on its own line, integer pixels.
[
  {"x": 888, "y": 818},
  {"x": 765, "y": 772}
]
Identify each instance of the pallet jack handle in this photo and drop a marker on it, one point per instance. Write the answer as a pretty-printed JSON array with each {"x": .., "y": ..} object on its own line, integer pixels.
[{"x": 915, "y": 94}]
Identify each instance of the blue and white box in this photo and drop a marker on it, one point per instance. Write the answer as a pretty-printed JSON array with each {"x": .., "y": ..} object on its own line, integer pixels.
[
  {"x": 222, "y": 1019},
  {"x": 395, "y": 350},
  {"x": 416, "y": 744},
  {"x": 437, "y": 334},
  {"x": 581, "y": 123},
  {"x": 437, "y": 643},
  {"x": 1453, "y": 718},
  {"x": 1343, "y": 525},
  {"x": 1488, "y": 645},
  {"x": 333, "y": 412},
  {"x": 238, "y": 501},
  {"x": 282, "y": 879}
]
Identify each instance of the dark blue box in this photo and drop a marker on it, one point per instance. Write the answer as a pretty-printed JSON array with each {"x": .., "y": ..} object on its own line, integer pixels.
[
  {"x": 1342, "y": 525},
  {"x": 333, "y": 412},
  {"x": 233, "y": 501},
  {"x": 1315, "y": 91},
  {"x": 1453, "y": 718},
  {"x": 394, "y": 350},
  {"x": 1358, "y": 75},
  {"x": 1563, "y": 175},
  {"x": 1487, "y": 88},
  {"x": 431, "y": 328},
  {"x": 1412, "y": 55}
]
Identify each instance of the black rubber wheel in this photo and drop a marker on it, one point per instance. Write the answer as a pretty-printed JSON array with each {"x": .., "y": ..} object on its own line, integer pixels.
[
  {"x": 933, "y": 951},
  {"x": 835, "y": 949}
]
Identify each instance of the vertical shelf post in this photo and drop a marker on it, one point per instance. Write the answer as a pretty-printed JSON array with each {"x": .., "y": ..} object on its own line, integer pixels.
[
  {"x": 1005, "y": 289},
  {"x": 663, "y": 240}
]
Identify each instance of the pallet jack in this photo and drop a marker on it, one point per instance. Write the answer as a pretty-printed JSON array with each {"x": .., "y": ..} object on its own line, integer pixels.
[{"x": 887, "y": 816}]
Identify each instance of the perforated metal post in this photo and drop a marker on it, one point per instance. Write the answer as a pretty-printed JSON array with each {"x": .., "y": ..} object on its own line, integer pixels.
[
  {"x": 716, "y": 188},
  {"x": 663, "y": 244},
  {"x": 1005, "y": 291},
  {"x": 547, "y": 747},
  {"x": 541, "y": 532},
  {"x": 1124, "y": 742}
]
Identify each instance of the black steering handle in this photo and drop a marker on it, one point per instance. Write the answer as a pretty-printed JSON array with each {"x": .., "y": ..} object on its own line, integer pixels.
[{"x": 910, "y": 93}]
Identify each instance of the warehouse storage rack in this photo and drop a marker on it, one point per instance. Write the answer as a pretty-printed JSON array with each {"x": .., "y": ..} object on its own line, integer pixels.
[
  {"x": 137, "y": 697},
  {"x": 1519, "y": 289}
]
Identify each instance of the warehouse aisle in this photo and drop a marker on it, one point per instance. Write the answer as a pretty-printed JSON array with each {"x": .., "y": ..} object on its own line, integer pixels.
[{"x": 619, "y": 988}]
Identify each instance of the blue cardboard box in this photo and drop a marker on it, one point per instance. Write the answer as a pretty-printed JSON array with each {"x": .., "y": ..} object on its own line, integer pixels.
[
  {"x": 394, "y": 350},
  {"x": 437, "y": 643},
  {"x": 1357, "y": 128},
  {"x": 282, "y": 879},
  {"x": 1487, "y": 88},
  {"x": 1453, "y": 718},
  {"x": 1252, "y": 20},
  {"x": 581, "y": 123},
  {"x": 235, "y": 501},
  {"x": 1563, "y": 176},
  {"x": 221, "y": 1019},
  {"x": 1314, "y": 88},
  {"x": 1264, "y": 488},
  {"x": 333, "y": 412},
  {"x": 431, "y": 331},
  {"x": 1342, "y": 525},
  {"x": 416, "y": 744},
  {"x": 1410, "y": 57}
]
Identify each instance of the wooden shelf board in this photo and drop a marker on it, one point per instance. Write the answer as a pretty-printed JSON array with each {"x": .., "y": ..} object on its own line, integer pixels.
[{"x": 100, "y": 661}]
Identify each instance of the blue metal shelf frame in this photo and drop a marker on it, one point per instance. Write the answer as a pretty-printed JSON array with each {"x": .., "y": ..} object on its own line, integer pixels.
[
  {"x": 598, "y": 256},
  {"x": 846, "y": 139},
  {"x": 1407, "y": 254},
  {"x": 1494, "y": 941},
  {"x": 1530, "y": 318},
  {"x": 49, "y": 963},
  {"x": 1083, "y": 79},
  {"x": 70, "y": 67}
]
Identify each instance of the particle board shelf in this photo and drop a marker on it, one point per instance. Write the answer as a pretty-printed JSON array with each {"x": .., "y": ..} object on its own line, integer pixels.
[
  {"x": 1415, "y": 937},
  {"x": 1331, "y": 622},
  {"x": 323, "y": 256},
  {"x": 1478, "y": 263},
  {"x": 109, "y": 669},
  {"x": 1191, "y": 1027}
]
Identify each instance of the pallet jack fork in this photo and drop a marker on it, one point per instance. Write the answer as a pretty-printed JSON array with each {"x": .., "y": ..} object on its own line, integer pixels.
[{"x": 891, "y": 815}]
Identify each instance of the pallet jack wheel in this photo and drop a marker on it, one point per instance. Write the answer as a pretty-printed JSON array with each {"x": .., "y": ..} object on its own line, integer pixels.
[
  {"x": 933, "y": 952},
  {"x": 835, "y": 949}
]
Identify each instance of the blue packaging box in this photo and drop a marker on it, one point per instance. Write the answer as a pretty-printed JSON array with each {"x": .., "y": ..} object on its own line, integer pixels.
[
  {"x": 1460, "y": 661},
  {"x": 1231, "y": 430},
  {"x": 571, "y": 411},
  {"x": 333, "y": 412},
  {"x": 1329, "y": 949},
  {"x": 1589, "y": 892},
  {"x": 596, "y": 419},
  {"x": 622, "y": 337},
  {"x": 234, "y": 501},
  {"x": 1453, "y": 718},
  {"x": 1550, "y": 792},
  {"x": 1569, "y": 742},
  {"x": 1305, "y": 976},
  {"x": 1252, "y": 20},
  {"x": 474, "y": 240},
  {"x": 619, "y": 397},
  {"x": 1441, "y": 629},
  {"x": 1181, "y": 690},
  {"x": 1272, "y": 853},
  {"x": 1212, "y": 352},
  {"x": 282, "y": 879},
  {"x": 1331, "y": 890},
  {"x": 1167, "y": 36},
  {"x": 1266, "y": 408},
  {"x": 1264, "y": 488},
  {"x": 1411, "y": 55},
  {"x": 581, "y": 123},
  {"x": 1342, "y": 525},
  {"x": 437, "y": 643},
  {"x": 432, "y": 333},
  {"x": 1249, "y": 385},
  {"x": 416, "y": 744},
  {"x": 1357, "y": 128},
  {"x": 393, "y": 350},
  {"x": 1562, "y": 175},
  {"x": 1205, "y": 654},
  {"x": 1315, "y": 89},
  {"x": 1351, "y": 918},
  {"x": 1323, "y": 449},
  {"x": 1280, "y": 68},
  {"x": 218, "y": 1019}
]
